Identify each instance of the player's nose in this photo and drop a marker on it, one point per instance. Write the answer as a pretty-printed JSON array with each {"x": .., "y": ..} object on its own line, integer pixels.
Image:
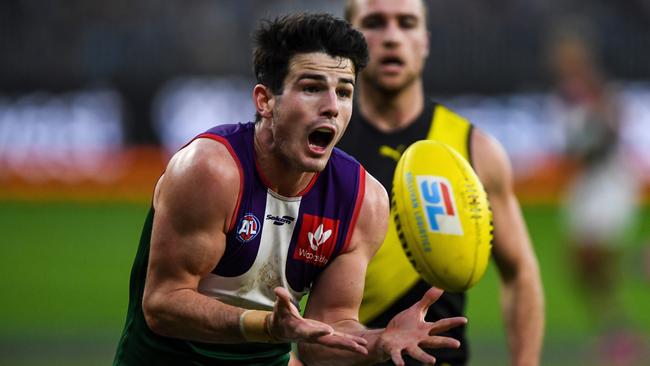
[
  {"x": 330, "y": 104},
  {"x": 392, "y": 34}
]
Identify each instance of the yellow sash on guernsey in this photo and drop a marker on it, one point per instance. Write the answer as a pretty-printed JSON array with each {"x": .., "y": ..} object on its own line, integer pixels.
[{"x": 390, "y": 274}]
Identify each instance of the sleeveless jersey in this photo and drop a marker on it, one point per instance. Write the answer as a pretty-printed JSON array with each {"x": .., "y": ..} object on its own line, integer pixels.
[
  {"x": 390, "y": 276},
  {"x": 273, "y": 241}
]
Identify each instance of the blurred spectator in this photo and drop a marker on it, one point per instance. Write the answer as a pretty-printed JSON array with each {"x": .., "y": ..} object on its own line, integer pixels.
[{"x": 601, "y": 201}]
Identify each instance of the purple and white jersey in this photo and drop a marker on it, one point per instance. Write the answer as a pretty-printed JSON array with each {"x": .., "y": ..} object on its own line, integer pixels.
[{"x": 281, "y": 241}]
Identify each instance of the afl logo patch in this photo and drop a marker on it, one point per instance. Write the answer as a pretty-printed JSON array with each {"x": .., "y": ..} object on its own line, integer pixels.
[{"x": 248, "y": 228}]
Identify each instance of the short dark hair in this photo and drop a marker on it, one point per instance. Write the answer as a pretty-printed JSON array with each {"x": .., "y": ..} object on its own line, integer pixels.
[{"x": 278, "y": 40}]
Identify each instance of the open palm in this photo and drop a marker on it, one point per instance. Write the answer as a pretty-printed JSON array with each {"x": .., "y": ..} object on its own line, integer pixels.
[{"x": 409, "y": 332}]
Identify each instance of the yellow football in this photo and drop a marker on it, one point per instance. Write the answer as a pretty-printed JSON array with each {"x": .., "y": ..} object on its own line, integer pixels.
[{"x": 442, "y": 215}]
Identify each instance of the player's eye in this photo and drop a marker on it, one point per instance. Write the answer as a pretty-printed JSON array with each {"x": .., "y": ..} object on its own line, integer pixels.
[
  {"x": 373, "y": 22},
  {"x": 311, "y": 88},
  {"x": 344, "y": 93},
  {"x": 408, "y": 22}
]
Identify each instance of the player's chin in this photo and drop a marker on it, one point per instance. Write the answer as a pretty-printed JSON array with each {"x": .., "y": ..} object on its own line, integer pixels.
[
  {"x": 392, "y": 84},
  {"x": 316, "y": 164}
]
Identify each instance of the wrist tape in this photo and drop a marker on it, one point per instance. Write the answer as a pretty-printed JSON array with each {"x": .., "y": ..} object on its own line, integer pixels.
[{"x": 255, "y": 326}]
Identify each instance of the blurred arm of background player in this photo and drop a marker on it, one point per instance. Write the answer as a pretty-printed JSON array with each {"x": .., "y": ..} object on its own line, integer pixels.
[{"x": 522, "y": 295}]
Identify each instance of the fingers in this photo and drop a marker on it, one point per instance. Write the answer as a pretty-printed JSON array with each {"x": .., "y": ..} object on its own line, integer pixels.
[
  {"x": 445, "y": 324},
  {"x": 312, "y": 329},
  {"x": 359, "y": 340},
  {"x": 282, "y": 292},
  {"x": 284, "y": 297},
  {"x": 439, "y": 342},
  {"x": 432, "y": 295},
  {"x": 396, "y": 356},
  {"x": 420, "y": 355},
  {"x": 344, "y": 341},
  {"x": 288, "y": 324},
  {"x": 283, "y": 302}
]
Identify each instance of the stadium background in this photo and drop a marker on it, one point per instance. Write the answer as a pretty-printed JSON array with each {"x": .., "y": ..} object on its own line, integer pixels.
[{"x": 95, "y": 96}]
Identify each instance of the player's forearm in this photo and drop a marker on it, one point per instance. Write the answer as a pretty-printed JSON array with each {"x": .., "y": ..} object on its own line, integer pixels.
[
  {"x": 318, "y": 355},
  {"x": 189, "y": 315},
  {"x": 523, "y": 308}
]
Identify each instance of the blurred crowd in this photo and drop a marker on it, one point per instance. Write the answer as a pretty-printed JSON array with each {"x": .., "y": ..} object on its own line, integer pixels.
[
  {"x": 488, "y": 47},
  {"x": 81, "y": 80}
]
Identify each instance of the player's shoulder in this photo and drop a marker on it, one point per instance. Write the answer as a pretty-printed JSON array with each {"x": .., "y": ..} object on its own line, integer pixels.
[
  {"x": 376, "y": 192},
  {"x": 447, "y": 113},
  {"x": 201, "y": 180},
  {"x": 213, "y": 152},
  {"x": 204, "y": 156},
  {"x": 229, "y": 130},
  {"x": 203, "y": 165},
  {"x": 481, "y": 141},
  {"x": 487, "y": 155},
  {"x": 486, "y": 147},
  {"x": 490, "y": 161}
]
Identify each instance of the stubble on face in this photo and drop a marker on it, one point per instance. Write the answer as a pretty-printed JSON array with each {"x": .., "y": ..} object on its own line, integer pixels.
[{"x": 390, "y": 89}]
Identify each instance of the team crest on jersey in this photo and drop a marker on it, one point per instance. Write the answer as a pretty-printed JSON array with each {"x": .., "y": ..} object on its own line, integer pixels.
[
  {"x": 316, "y": 240},
  {"x": 437, "y": 197},
  {"x": 248, "y": 228}
]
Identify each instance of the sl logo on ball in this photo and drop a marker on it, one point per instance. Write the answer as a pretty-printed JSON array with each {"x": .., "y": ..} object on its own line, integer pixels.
[{"x": 436, "y": 194}]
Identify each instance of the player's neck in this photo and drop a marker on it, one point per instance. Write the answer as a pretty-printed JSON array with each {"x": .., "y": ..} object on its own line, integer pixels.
[
  {"x": 391, "y": 111},
  {"x": 283, "y": 181}
]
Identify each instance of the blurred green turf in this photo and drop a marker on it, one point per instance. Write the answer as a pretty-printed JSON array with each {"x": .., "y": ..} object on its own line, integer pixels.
[
  {"x": 65, "y": 267},
  {"x": 64, "y": 270}
]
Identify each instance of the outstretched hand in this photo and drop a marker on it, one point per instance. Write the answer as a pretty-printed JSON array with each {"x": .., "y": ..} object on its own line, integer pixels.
[
  {"x": 288, "y": 325},
  {"x": 408, "y": 332}
]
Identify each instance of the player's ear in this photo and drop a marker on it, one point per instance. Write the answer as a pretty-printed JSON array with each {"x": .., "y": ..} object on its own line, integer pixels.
[{"x": 264, "y": 100}]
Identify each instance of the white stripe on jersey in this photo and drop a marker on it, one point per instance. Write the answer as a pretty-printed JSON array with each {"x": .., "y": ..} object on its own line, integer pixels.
[{"x": 254, "y": 289}]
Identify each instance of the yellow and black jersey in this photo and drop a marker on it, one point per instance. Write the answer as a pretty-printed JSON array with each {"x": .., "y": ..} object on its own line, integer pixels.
[{"x": 392, "y": 284}]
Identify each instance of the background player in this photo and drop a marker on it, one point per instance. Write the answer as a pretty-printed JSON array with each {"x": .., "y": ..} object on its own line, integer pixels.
[
  {"x": 249, "y": 217},
  {"x": 392, "y": 112},
  {"x": 601, "y": 202}
]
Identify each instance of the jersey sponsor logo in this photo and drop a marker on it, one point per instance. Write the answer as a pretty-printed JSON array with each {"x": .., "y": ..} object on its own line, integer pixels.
[
  {"x": 280, "y": 220},
  {"x": 316, "y": 240},
  {"x": 248, "y": 228},
  {"x": 441, "y": 214},
  {"x": 318, "y": 237}
]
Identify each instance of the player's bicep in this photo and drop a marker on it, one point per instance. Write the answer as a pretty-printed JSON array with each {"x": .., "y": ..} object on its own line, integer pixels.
[
  {"x": 193, "y": 204},
  {"x": 336, "y": 293}
]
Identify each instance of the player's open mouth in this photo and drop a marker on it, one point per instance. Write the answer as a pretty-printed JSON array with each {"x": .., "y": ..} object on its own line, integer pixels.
[
  {"x": 392, "y": 61},
  {"x": 320, "y": 138}
]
